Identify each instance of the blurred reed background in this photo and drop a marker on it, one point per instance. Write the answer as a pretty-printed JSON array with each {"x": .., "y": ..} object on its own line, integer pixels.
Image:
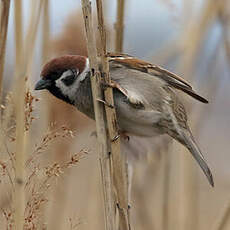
[{"x": 41, "y": 138}]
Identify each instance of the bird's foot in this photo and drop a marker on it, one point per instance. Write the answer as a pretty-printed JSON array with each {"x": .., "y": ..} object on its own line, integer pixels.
[
  {"x": 122, "y": 134},
  {"x": 128, "y": 207},
  {"x": 106, "y": 103},
  {"x": 116, "y": 138},
  {"x": 105, "y": 85}
]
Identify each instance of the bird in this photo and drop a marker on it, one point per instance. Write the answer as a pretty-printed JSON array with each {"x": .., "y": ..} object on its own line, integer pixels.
[{"x": 145, "y": 95}]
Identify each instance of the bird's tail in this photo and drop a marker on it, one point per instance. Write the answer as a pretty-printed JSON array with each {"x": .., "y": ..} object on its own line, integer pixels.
[{"x": 185, "y": 137}]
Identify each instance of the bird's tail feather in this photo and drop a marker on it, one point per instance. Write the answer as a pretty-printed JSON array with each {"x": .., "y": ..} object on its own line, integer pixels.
[
  {"x": 184, "y": 136},
  {"x": 188, "y": 141}
]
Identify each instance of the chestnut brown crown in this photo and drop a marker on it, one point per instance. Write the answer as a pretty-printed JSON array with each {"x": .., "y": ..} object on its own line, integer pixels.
[{"x": 53, "y": 69}]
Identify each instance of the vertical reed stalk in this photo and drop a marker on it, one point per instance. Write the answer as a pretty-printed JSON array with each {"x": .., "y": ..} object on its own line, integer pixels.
[
  {"x": 46, "y": 32},
  {"x": 18, "y": 47},
  {"x": 18, "y": 28},
  {"x": 119, "y": 26},
  {"x": 101, "y": 126},
  {"x": 19, "y": 89},
  {"x": 46, "y": 105},
  {"x": 19, "y": 196},
  {"x": 31, "y": 34},
  {"x": 119, "y": 40},
  {"x": 118, "y": 160},
  {"x": 225, "y": 22},
  {"x": 5, "y": 8}
]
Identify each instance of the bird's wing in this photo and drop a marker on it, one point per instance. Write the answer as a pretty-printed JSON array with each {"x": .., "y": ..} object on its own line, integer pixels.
[{"x": 156, "y": 71}]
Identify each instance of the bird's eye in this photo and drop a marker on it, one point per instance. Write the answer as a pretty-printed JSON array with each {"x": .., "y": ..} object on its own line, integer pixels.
[{"x": 70, "y": 77}]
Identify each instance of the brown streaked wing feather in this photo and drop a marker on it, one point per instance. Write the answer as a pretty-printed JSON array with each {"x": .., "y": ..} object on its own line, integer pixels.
[
  {"x": 144, "y": 66},
  {"x": 171, "y": 78},
  {"x": 189, "y": 92},
  {"x": 161, "y": 71}
]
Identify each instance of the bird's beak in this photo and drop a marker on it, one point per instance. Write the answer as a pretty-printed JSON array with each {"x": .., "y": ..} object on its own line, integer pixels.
[{"x": 42, "y": 84}]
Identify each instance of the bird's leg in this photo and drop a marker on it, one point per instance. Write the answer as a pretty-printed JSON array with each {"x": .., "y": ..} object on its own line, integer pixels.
[
  {"x": 116, "y": 138},
  {"x": 106, "y": 85},
  {"x": 121, "y": 134}
]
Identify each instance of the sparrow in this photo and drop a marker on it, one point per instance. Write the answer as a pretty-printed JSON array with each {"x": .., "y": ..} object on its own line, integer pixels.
[{"x": 145, "y": 97}]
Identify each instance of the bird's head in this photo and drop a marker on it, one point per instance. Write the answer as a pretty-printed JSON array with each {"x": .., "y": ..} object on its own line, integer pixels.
[{"x": 62, "y": 76}]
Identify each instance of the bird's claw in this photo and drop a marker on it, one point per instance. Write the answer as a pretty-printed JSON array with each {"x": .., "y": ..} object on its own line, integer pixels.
[
  {"x": 116, "y": 138},
  {"x": 105, "y": 85},
  {"x": 106, "y": 103},
  {"x": 118, "y": 206},
  {"x": 121, "y": 134}
]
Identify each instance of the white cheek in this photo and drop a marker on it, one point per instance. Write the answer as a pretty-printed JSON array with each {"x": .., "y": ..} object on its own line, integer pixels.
[
  {"x": 59, "y": 84},
  {"x": 63, "y": 88},
  {"x": 71, "y": 90}
]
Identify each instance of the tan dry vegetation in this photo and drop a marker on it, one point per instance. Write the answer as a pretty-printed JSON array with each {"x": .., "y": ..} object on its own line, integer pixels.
[{"x": 169, "y": 191}]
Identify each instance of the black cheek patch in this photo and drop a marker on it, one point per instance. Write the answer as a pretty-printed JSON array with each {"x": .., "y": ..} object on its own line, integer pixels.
[{"x": 68, "y": 80}]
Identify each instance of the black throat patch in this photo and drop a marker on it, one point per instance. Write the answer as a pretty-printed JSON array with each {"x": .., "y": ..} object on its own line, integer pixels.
[{"x": 57, "y": 93}]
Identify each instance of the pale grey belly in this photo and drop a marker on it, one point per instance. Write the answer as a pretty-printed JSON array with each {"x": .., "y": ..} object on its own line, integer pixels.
[{"x": 136, "y": 129}]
